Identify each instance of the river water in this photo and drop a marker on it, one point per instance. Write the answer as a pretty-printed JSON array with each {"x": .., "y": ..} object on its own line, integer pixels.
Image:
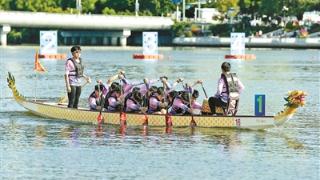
[{"x": 32, "y": 147}]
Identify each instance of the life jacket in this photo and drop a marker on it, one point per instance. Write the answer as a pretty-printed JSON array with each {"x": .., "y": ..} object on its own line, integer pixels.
[
  {"x": 106, "y": 102},
  {"x": 231, "y": 81},
  {"x": 146, "y": 97},
  {"x": 167, "y": 98},
  {"x": 175, "y": 109},
  {"x": 153, "y": 110},
  {"x": 232, "y": 84},
  {"x": 129, "y": 96},
  {"x": 145, "y": 101},
  {"x": 78, "y": 68},
  {"x": 98, "y": 102}
]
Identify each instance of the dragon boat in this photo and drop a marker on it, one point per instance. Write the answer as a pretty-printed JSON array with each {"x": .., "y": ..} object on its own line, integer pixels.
[{"x": 54, "y": 110}]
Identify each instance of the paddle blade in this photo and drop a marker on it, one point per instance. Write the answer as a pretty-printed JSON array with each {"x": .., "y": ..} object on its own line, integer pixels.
[
  {"x": 193, "y": 122},
  {"x": 100, "y": 118},
  {"x": 168, "y": 120},
  {"x": 123, "y": 119},
  {"x": 145, "y": 120},
  {"x": 123, "y": 116}
]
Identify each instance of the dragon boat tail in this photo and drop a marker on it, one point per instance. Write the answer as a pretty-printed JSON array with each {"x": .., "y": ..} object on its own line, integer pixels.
[{"x": 54, "y": 110}]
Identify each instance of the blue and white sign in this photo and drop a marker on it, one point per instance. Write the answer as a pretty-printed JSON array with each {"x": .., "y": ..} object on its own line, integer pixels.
[
  {"x": 150, "y": 42},
  {"x": 259, "y": 105},
  {"x": 48, "y": 42},
  {"x": 237, "y": 43}
]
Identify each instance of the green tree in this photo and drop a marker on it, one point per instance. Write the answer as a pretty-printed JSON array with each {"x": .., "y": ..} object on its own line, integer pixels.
[
  {"x": 88, "y": 6},
  {"x": 34, "y": 5},
  {"x": 298, "y": 7},
  {"x": 150, "y": 5},
  {"x": 250, "y": 7},
  {"x": 245, "y": 6},
  {"x": 179, "y": 28},
  {"x": 126, "y": 13},
  {"x": 67, "y": 4},
  {"x": 14, "y": 37},
  {"x": 121, "y": 6},
  {"x": 100, "y": 6},
  {"x": 271, "y": 8},
  {"x": 5, "y": 4},
  {"x": 223, "y": 6},
  {"x": 108, "y": 11},
  {"x": 166, "y": 7}
]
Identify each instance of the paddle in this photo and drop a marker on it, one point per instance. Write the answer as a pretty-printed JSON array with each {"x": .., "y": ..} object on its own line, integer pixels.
[
  {"x": 123, "y": 115},
  {"x": 145, "y": 118},
  {"x": 168, "y": 118},
  {"x": 100, "y": 118},
  {"x": 204, "y": 91},
  {"x": 192, "y": 122}
]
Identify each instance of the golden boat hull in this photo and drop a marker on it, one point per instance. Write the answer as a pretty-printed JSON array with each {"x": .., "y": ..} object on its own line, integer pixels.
[{"x": 61, "y": 112}]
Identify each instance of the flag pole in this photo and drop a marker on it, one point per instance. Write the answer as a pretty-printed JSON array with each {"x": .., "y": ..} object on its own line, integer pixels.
[
  {"x": 35, "y": 92},
  {"x": 37, "y": 68},
  {"x": 36, "y": 78}
]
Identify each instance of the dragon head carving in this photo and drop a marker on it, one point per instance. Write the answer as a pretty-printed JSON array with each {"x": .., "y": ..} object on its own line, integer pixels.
[{"x": 295, "y": 98}]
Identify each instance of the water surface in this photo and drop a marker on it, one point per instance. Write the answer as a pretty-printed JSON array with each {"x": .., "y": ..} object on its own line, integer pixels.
[{"x": 32, "y": 147}]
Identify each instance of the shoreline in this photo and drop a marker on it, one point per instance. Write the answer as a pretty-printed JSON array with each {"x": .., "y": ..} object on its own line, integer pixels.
[
  {"x": 207, "y": 42},
  {"x": 291, "y": 43}
]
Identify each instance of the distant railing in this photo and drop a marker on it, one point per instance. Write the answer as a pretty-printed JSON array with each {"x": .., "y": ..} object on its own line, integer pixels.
[
  {"x": 250, "y": 42},
  {"x": 83, "y": 21},
  {"x": 313, "y": 35},
  {"x": 275, "y": 33}
]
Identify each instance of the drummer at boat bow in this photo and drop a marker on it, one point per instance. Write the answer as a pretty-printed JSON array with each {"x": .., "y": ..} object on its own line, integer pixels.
[
  {"x": 73, "y": 74},
  {"x": 227, "y": 84}
]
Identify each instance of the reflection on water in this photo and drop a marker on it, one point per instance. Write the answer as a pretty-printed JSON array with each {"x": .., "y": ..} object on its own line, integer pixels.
[
  {"x": 104, "y": 135},
  {"x": 107, "y": 144}
]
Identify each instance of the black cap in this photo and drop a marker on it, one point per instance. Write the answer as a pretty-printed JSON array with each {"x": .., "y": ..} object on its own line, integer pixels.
[
  {"x": 117, "y": 89},
  {"x": 185, "y": 96},
  {"x": 114, "y": 85},
  {"x": 153, "y": 89},
  {"x": 136, "y": 89},
  {"x": 96, "y": 87},
  {"x": 137, "y": 96},
  {"x": 226, "y": 66},
  {"x": 160, "y": 91},
  {"x": 195, "y": 93},
  {"x": 75, "y": 48},
  {"x": 173, "y": 93}
]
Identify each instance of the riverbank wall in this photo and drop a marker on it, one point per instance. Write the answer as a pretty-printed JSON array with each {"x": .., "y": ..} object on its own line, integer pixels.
[{"x": 255, "y": 42}]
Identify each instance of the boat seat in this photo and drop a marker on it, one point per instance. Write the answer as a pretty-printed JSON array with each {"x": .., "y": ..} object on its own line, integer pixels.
[{"x": 232, "y": 105}]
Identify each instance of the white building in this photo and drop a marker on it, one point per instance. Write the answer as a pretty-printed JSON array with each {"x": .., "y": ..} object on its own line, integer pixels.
[
  {"x": 206, "y": 14},
  {"x": 313, "y": 17}
]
